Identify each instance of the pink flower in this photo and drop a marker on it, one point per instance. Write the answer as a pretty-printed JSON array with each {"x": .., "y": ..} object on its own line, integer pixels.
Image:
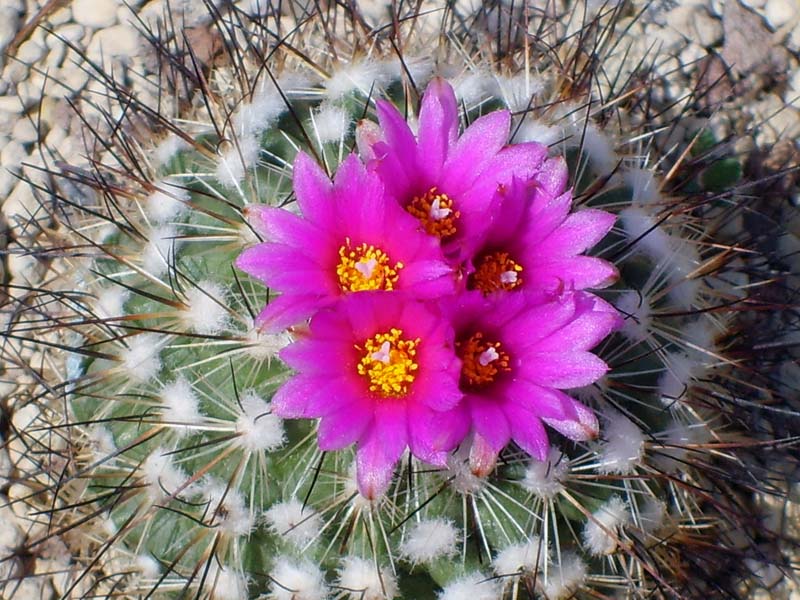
[
  {"x": 518, "y": 351},
  {"x": 444, "y": 180},
  {"x": 350, "y": 238},
  {"x": 534, "y": 243},
  {"x": 380, "y": 371}
]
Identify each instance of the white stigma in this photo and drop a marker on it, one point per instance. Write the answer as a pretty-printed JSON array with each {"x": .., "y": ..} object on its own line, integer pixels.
[
  {"x": 508, "y": 277},
  {"x": 487, "y": 356},
  {"x": 366, "y": 268},
  {"x": 437, "y": 212},
  {"x": 382, "y": 355}
]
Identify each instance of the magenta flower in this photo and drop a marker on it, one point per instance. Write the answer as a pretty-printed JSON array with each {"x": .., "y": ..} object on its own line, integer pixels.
[
  {"x": 380, "y": 371},
  {"x": 444, "y": 180},
  {"x": 534, "y": 243},
  {"x": 350, "y": 238},
  {"x": 518, "y": 352}
]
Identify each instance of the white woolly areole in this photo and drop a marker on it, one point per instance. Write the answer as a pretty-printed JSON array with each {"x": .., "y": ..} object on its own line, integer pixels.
[
  {"x": 622, "y": 448},
  {"x": 643, "y": 185},
  {"x": 296, "y": 580},
  {"x": 205, "y": 310},
  {"x": 430, "y": 539},
  {"x": 110, "y": 302},
  {"x": 168, "y": 148},
  {"x": 140, "y": 359},
  {"x": 564, "y": 578},
  {"x": 257, "y": 427},
  {"x": 651, "y": 516},
  {"x": 676, "y": 379},
  {"x": 236, "y": 159},
  {"x": 265, "y": 346},
  {"x": 292, "y": 522},
  {"x": 463, "y": 480},
  {"x": 360, "y": 76},
  {"x": 605, "y": 521},
  {"x": 253, "y": 118},
  {"x": 684, "y": 290},
  {"x": 600, "y": 149},
  {"x": 524, "y": 557},
  {"x": 147, "y": 566},
  {"x": 518, "y": 90},
  {"x": 224, "y": 583},
  {"x": 635, "y": 310},
  {"x": 180, "y": 404},
  {"x": 544, "y": 478},
  {"x": 161, "y": 475},
  {"x": 331, "y": 123},
  {"x": 647, "y": 234},
  {"x": 474, "y": 586},
  {"x": 159, "y": 251},
  {"x": 167, "y": 202},
  {"x": 475, "y": 87},
  {"x": 101, "y": 441},
  {"x": 360, "y": 580},
  {"x": 231, "y": 514},
  {"x": 533, "y": 130}
]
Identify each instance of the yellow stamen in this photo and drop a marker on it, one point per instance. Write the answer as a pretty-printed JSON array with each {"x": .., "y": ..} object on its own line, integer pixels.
[
  {"x": 481, "y": 361},
  {"x": 388, "y": 363},
  {"x": 365, "y": 268},
  {"x": 496, "y": 271},
  {"x": 435, "y": 212}
]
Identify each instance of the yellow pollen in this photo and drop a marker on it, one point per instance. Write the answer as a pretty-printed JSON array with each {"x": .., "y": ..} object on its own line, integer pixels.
[
  {"x": 481, "y": 361},
  {"x": 365, "y": 268},
  {"x": 435, "y": 212},
  {"x": 388, "y": 363},
  {"x": 496, "y": 271}
]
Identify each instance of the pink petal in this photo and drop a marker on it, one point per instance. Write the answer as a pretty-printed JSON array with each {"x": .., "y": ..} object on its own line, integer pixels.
[
  {"x": 585, "y": 332},
  {"x": 380, "y": 449},
  {"x": 368, "y": 134},
  {"x": 482, "y": 457},
  {"x": 565, "y": 369},
  {"x": 528, "y": 432},
  {"x": 577, "y": 272},
  {"x": 427, "y": 278},
  {"x": 313, "y": 190},
  {"x": 477, "y": 147},
  {"x": 553, "y": 176},
  {"x": 583, "y": 427},
  {"x": 397, "y": 134},
  {"x": 285, "y": 311},
  {"x": 285, "y": 269},
  {"x": 489, "y": 421},
  {"x": 344, "y": 426},
  {"x": 281, "y": 226},
  {"x": 579, "y": 232},
  {"x": 432, "y": 434},
  {"x": 438, "y": 126},
  {"x": 303, "y": 397}
]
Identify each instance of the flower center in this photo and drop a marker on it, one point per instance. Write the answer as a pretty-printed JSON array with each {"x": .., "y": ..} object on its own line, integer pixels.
[
  {"x": 481, "y": 361},
  {"x": 435, "y": 212},
  {"x": 388, "y": 363},
  {"x": 365, "y": 268},
  {"x": 496, "y": 271}
]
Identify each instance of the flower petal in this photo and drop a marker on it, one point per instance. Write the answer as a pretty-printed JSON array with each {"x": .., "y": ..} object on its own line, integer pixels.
[
  {"x": 474, "y": 151},
  {"x": 432, "y": 434},
  {"x": 489, "y": 421},
  {"x": 290, "y": 309},
  {"x": 583, "y": 427},
  {"x": 344, "y": 426},
  {"x": 313, "y": 190},
  {"x": 309, "y": 397},
  {"x": 565, "y": 369},
  {"x": 579, "y": 232},
  {"x": 438, "y": 126},
  {"x": 379, "y": 451},
  {"x": 528, "y": 432}
]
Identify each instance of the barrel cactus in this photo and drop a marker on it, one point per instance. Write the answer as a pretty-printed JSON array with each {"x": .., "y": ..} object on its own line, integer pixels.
[{"x": 193, "y": 447}]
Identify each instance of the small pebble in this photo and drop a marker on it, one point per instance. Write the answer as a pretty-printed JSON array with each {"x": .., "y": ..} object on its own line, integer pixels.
[
  {"x": 120, "y": 41},
  {"x": 92, "y": 13},
  {"x": 780, "y": 12}
]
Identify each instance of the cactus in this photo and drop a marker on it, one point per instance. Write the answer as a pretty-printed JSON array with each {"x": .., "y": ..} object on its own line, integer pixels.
[{"x": 155, "y": 456}]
